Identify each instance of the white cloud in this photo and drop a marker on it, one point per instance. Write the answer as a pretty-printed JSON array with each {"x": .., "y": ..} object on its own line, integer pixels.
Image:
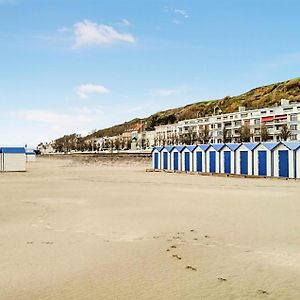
[
  {"x": 89, "y": 33},
  {"x": 176, "y": 22},
  {"x": 125, "y": 22},
  {"x": 63, "y": 29},
  {"x": 165, "y": 92},
  {"x": 84, "y": 90},
  {"x": 181, "y": 12}
]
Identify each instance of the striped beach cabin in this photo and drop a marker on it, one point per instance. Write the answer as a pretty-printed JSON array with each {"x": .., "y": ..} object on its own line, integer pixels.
[
  {"x": 13, "y": 159},
  {"x": 199, "y": 158}
]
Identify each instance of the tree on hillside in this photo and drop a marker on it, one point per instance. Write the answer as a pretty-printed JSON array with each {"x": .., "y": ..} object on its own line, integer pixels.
[
  {"x": 244, "y": 133},
  {"x": 264, "y": 133},
  {"x": 285, "y": 132}
]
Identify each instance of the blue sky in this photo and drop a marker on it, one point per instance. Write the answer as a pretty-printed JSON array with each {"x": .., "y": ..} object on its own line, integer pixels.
[{"x": 77, "y": 65}]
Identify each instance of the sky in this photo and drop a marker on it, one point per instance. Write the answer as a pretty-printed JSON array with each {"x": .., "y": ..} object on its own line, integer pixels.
[{"x": 71, "y": 66}]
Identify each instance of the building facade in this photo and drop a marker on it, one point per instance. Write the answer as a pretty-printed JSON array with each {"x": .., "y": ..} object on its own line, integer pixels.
[{"x": 217, "y": 128}]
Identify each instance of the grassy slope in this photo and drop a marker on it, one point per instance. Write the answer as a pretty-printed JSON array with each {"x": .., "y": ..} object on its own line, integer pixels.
[{"x": 264, "y": 96}]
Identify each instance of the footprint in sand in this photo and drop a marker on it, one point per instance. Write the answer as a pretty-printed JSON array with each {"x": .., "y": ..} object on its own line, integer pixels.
[
  {"x": 262, "y": 292},
  {"x": 29, "y": 242},
  {"x": 47, "y": 243},
  {"x": 176, "y": 256},
  {"x": 222, "y": 279},
  {"x": 191, "y": 268}
]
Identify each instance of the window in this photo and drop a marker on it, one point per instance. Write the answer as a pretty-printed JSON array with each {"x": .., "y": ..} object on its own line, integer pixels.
[
  {"x": 263, "y": 112},
  {"x": 293, "y": 117},
  {"x": 256, "y": 121},
  {"x": 294, "y": 137},
  {"x": 293, "y": 127}
]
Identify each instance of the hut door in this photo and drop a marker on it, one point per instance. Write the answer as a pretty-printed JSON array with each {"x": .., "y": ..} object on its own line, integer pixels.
[
  {"x": 262, "y": 163},
  {"x": 155, "y": 160},
  {"x": 175, "y": 161},
  {"x": 165, "y": 160},
  {"x": 187, "y": 161},
  {"x": 227, "y": 162},
  {"x": 244, "y": 162},
  {"x": 283, "y": 163},
  {"x": 212, "y": 161},
  {"x": 199, "y": 161}
]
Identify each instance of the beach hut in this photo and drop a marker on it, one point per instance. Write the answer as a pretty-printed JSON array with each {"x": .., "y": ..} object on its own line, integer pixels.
[
  {"x": 199, "y": 158},
  {"x": 213, "y": 158},
  {"x": 244, "y": 158},
  {"x": 30, "y": 155},
  {"x": 156, "y": 157},
  {"x": 166, "y": 157},
  {"x": 227, "y": 158},
  {"x": 188, "y": 158},
  {"x": 176, "y": 158},
  {"x": 286, "y": 160},
  {"x": 263, "y": 159},
  {"x": 13, "y": 159}
]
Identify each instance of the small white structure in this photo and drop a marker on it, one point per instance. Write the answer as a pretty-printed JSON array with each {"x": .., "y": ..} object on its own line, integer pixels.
[
  {"x": 13, "y": 159},
  {"x": 244, "y": 158},
  {"x": 156, "y": 157},
  {"x": 284, "y": 161},
  {"x": 166, "y": 157},
  {"x": 187, "y": 157},
  {"x": 227, "y": 158},
  {"x": 199, "y": 158},
  {"x": 263, "y": 159},
  {"x": 213, "y": 158},
  {"x": 30, "y": 155},
  {"x": 176, "y": 158}
]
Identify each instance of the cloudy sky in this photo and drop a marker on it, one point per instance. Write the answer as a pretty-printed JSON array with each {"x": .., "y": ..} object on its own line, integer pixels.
[{"x": 77, "y": 65}]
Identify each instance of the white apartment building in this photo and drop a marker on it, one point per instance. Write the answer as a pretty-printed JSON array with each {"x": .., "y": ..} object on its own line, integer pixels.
[{"x": 274, "y": 118}]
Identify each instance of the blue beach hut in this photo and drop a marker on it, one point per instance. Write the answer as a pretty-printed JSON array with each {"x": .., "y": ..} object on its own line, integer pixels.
[
  {"x": 176, "y": 158},
  {"x": 188, "y": 158},
  {"x": 263, "y": 159},
  {"x": 227, "y": 158},
  {"x": 213, "y": 158},
  {"x": 156, "y": 157},
  {"x": 199, "y": 158},
  {"x": 166, "y": 157},
  {"x": 244, "y": 158}
]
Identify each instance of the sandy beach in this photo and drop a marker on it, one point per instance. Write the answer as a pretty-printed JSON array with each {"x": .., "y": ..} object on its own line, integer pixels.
[{"x": 80, "y": 230}]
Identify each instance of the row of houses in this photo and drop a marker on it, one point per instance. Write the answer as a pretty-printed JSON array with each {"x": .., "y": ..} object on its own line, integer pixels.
[
  {"x": 229, "y": 124},
  {"x": 279, "y": 159},
  {"x": 13, "y": 159}
]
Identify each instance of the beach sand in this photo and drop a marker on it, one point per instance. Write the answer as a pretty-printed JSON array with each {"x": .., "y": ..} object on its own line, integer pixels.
[{"x": 79, "y": 230}]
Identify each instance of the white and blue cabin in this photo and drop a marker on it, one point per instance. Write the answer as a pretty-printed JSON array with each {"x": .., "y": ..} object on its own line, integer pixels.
[
  {"x": 188, "y": 157},
  {"x": 227, "y": 158},
  {"x": 263, "y": 159},
  {"x": 244, "y": 158},
  {"x": 166, "y": 157},
  {"x": 199, "y": 158},
  {"x": 30, "y": 155},
  {"x": 156, "y": 157},
  {"x": 285, "y": 160},
  {"x": 176, "y": 158},
  {"x": 13, "y": 159},
  {"x": 213, "y": 158},
  {"x": 296, "y": 147}
]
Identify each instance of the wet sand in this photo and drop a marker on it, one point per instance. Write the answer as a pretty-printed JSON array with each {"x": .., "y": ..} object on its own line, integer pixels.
[{"x": 100, "y": 231}]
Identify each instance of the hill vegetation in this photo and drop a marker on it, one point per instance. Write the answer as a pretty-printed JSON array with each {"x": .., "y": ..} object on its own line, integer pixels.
[{"x": 265, "y": 96}]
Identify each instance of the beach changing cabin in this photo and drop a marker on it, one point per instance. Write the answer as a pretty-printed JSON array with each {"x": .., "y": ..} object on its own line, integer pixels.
[
  {"x": 188, "y": 158},
  {"x": 199, "y": 158},
  {"x": 263, "y": 159},
  {"x": 176, "y": 158},
  {"x": 227, "y": 158},
  {"x": 30, "y": 155},
  {"x": 213, "y": 158},
  {"x": 13, "y": 159},
  {"x": 244, "y": 158},
  {"x": 156, "y": 157},
  {"x": 166, "y": 157}
]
